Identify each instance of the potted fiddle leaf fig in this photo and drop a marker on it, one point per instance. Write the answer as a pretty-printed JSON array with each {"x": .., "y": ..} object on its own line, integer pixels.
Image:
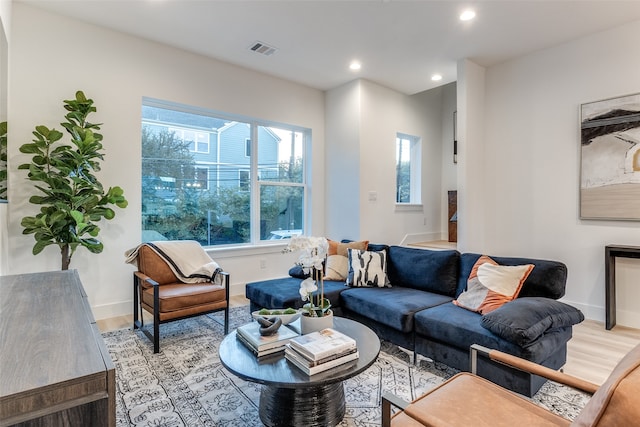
[{"x": 72, "y": 201}]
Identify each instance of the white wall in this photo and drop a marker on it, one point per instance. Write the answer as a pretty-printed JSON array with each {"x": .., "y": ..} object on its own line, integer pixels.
[
  {"x": 364, "y": 140},
  {"x": 449, "y": 169},
  {"x": 520, "y": 177},
  {"x": 51, "y": 57},
  {"x": 471, "y": 164},
  {"x": 342, "y": 166}
]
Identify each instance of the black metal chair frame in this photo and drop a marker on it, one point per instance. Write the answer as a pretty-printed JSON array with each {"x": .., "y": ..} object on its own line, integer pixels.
[{"x": 138, "y": 310}]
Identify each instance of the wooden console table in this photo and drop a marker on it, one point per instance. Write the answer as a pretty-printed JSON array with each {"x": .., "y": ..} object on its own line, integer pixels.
[
  {"x": 610, "y": 254},
  {"x": 54, "y": 367}
]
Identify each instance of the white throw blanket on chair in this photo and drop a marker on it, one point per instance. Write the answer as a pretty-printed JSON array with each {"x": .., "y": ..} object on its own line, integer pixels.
[{"x": 186, "y": 258}]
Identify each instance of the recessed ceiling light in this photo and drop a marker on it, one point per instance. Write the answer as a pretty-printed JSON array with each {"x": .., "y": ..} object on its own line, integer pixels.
[
  {"x": 436, "y": 77},
  {"x": 355, "y": 65},
  {"x": 467, "y": 15}
]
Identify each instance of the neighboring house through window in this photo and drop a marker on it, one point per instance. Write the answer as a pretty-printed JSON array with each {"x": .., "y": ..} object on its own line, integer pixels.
[
  {"x": 198, "y": 142},
  {"x": 243, "y": 180},
  {"x": 201, "y": 180},
  {"x": 194, "y": 162}
]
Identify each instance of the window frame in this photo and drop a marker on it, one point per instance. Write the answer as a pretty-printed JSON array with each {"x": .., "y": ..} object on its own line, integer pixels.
[
  {"x": 248, "y": 147},
  {"x": 415, "y": 171}
]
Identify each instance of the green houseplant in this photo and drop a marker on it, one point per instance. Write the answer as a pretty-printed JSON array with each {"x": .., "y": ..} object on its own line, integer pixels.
[{"x": 72, "y": 199}]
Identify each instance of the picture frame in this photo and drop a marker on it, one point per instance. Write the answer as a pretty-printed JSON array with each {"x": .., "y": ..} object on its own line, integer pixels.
[{"x": 610, "y": 159}]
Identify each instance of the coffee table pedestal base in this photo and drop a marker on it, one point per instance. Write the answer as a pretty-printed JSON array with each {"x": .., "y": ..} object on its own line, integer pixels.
[{"x": 309, "y": 406}]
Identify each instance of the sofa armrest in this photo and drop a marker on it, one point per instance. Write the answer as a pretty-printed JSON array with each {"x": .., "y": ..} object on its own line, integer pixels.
[
  {"x": 524, "y": 320},
  {"x": 530, "y": 367},
  {"x": 388, "y": 400}
]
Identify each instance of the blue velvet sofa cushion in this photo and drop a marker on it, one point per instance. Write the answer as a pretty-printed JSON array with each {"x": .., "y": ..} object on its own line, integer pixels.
[
  {"x": 393, "y": 307},
  {"x": 457, "y": 327},
  {"x": 524, "y": 320},
  {"x": 426, "y": 270},
  {"x": 547, "y": 279},
  {"x": 285, "y": 292}
]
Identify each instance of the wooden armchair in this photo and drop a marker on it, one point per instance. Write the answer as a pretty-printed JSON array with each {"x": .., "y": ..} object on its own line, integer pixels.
[
  {"x": 468, "y": 400},
  {"x": 157, "y": 290}
]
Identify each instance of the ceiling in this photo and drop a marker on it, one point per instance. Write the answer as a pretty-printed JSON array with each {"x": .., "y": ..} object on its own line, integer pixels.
[{"x": 400, "y": 44}]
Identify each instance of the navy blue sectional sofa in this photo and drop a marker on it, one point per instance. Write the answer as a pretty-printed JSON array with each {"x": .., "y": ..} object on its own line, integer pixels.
[{"x": 417, "y": 312}]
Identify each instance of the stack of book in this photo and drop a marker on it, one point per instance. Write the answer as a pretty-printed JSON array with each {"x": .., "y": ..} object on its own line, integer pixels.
[
  {"x": 260, "y": 345},
  {"x": 318, "y": 351}
]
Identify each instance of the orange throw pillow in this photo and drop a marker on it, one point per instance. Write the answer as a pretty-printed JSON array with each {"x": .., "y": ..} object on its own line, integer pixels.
[
  {"x": 337, "y": 248},
  {"x": 491, "y": 285}
]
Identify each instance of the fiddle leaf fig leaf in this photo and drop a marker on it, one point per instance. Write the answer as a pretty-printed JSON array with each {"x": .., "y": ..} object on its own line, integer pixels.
[
  {"x": 77, "y": 216},
  {"x": 39, "y": 246}
]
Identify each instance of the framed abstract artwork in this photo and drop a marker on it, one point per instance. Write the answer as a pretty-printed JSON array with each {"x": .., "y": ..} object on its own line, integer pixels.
[{"x": 610, "y": 159}]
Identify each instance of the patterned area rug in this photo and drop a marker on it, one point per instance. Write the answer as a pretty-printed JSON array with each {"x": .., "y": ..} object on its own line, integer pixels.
[{"x": 186, "y": 385}]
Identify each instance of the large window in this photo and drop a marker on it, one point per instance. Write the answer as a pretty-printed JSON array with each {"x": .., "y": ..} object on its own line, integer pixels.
[
  {"x": 408, "y": 169},
  {"x": 220, "y": 179}
]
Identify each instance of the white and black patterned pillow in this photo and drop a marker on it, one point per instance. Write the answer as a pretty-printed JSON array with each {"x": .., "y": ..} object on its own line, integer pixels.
[{"x": 368, "y": 269}]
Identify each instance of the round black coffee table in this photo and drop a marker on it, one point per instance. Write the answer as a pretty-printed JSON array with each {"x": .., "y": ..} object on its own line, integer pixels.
[{"x": 290, "y": 397}]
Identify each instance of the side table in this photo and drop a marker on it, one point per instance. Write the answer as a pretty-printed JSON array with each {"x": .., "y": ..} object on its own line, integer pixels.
[{"x": 610, "y": 254}]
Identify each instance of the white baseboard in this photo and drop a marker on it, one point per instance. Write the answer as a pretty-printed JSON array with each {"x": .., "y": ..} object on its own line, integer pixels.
[
  {"x": 623, "y": 317},
  {"x": 628, "y": 318},
  {"x": 116, "y": 309},
  {"x": 125, "y": 308},
  {"x": 420, "y": 237}
]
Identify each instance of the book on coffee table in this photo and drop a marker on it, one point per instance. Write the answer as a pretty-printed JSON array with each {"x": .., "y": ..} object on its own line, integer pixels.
[
  {"x": 321, "y": 344},
  {"x": 313, "y": 367},
  {"x": 260, "y": 354},
  {"x": 260, "y": 345}
]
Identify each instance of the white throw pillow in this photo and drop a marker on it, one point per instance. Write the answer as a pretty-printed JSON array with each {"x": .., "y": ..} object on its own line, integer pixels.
[{"x": 368, "y": 269}]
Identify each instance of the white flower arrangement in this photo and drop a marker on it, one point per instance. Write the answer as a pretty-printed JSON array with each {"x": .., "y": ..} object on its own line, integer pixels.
[{"x": 313, "y": 254}]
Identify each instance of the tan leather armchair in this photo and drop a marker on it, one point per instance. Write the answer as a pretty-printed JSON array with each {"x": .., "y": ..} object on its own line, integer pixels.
[
  {"x": 157, "y": 290},
  {"x": 468, "y": 400}
]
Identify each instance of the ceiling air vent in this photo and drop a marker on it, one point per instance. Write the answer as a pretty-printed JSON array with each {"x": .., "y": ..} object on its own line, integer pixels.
[{"x": 263, "y": 49}]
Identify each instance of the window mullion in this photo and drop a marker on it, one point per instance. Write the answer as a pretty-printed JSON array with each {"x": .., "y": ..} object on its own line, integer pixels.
[{"x": 254, "y": 206}]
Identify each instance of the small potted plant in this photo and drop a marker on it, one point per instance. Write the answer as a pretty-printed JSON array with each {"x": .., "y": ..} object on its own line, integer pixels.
[{"x": 316, "y": 313}]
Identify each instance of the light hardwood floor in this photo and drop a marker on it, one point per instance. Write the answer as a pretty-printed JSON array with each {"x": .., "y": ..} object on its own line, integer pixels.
[
  {"x": 435, "y": 244},
  {"x": 592, "y": 352}
]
